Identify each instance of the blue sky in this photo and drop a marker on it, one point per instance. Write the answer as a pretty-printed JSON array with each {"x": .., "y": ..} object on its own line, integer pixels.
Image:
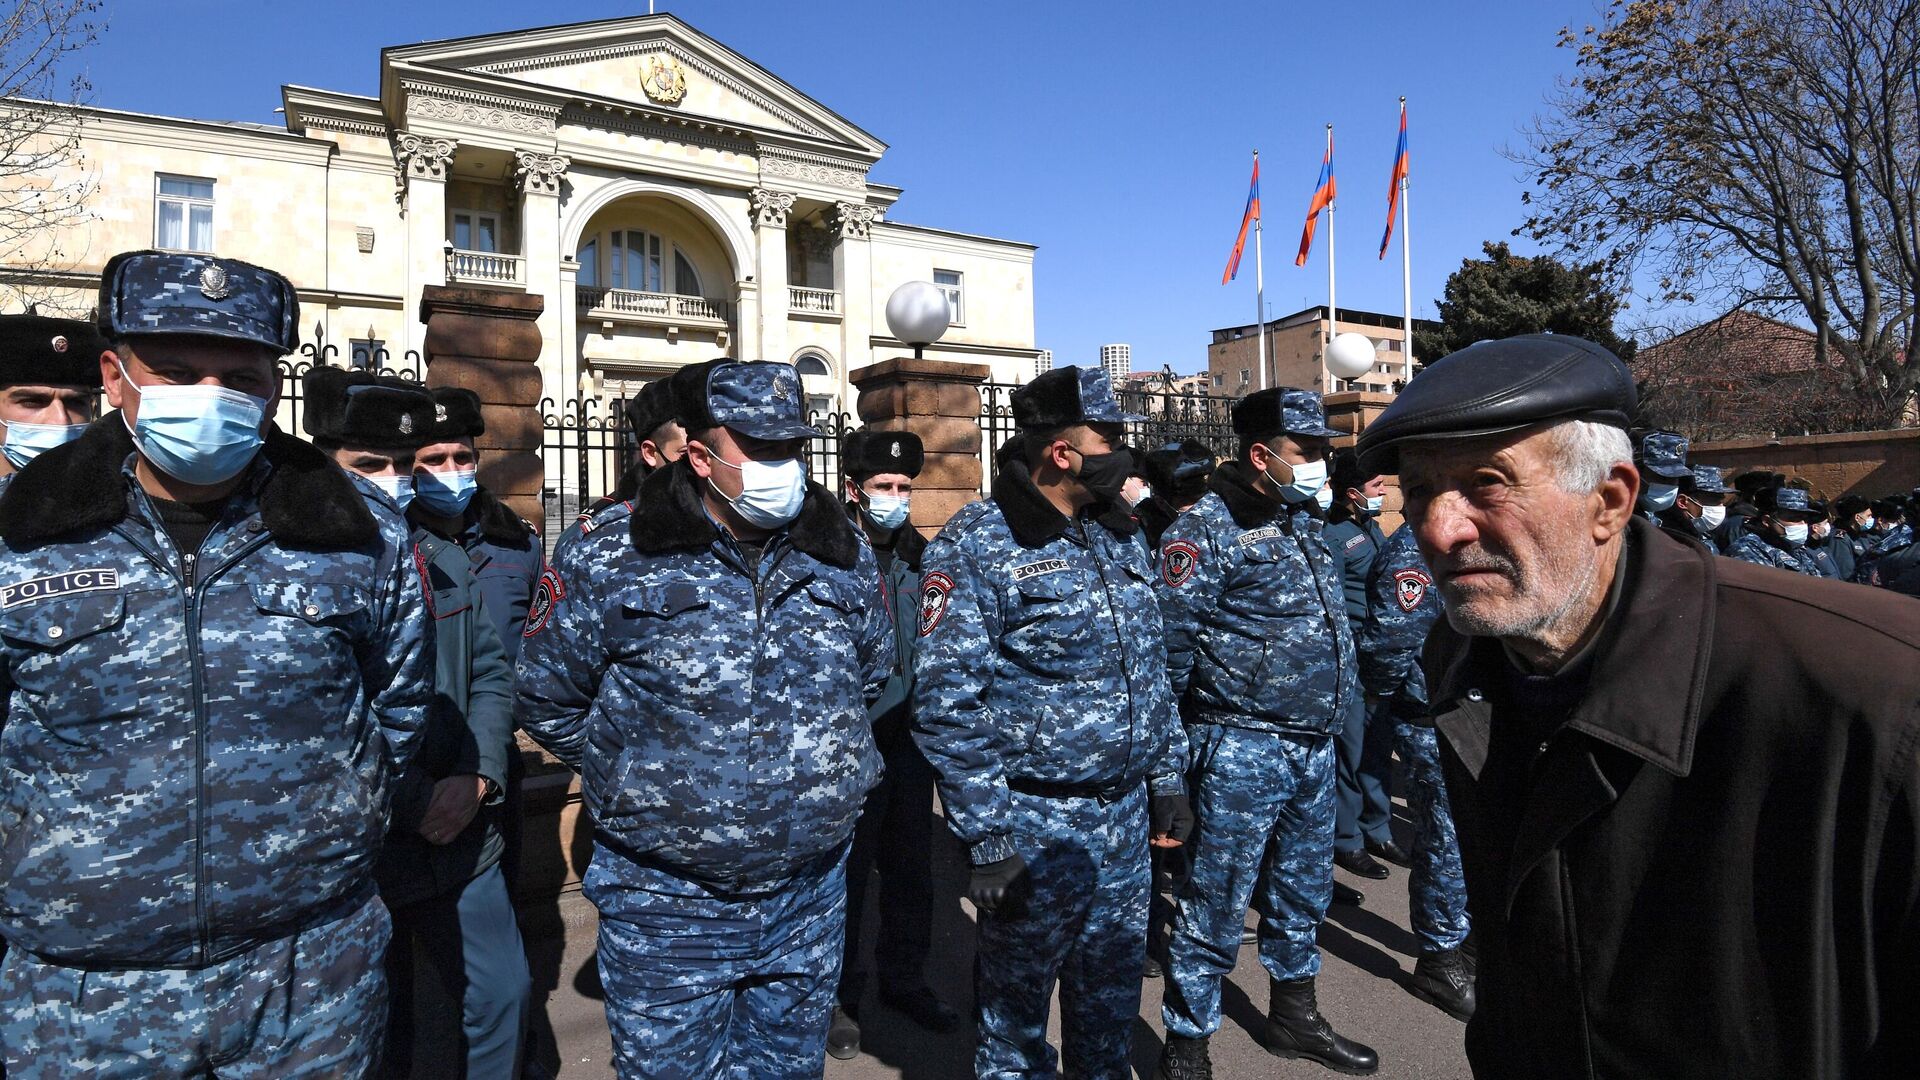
[{"x": 1115, "y": 136}]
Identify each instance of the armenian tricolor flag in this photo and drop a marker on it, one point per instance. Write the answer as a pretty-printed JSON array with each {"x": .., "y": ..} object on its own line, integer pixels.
[
  {"x": 1324, "y": 193},
  {"x": 1246, "y": 221},
  {"x": 1393, "y": 186}
]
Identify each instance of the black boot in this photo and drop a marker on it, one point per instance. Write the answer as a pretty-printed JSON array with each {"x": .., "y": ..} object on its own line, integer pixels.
[
  {"x": 1445, "y": 981},
  {"x": 1295, "y": 1029},
  {"x": 843, "y": 1035},
  {"x": 1184, "y": 1059}
]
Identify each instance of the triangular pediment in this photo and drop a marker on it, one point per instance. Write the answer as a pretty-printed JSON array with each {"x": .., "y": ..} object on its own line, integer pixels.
[{"x": 651, "y": 62}]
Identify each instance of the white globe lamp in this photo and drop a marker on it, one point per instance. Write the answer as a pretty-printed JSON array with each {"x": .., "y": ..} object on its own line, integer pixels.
[
  {"x": 1350, "y": 356},
  {"x": 917, "y": 313}
]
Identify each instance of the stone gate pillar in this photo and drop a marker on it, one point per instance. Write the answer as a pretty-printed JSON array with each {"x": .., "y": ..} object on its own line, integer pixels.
[
  {"x": 488, "y": 341},
  {"x": 940, "y": 402}
]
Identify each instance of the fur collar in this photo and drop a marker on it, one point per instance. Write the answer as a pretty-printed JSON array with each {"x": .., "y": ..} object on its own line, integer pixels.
[
  {"x": 306, "y": 501},
  {"x": 1033, "y": 520},
  {"x": 496, "y": 522},
  {"x": 908, "y": 544},
  {"x": 1250, "y": 507},
  {"x": 668, "y": 516}
]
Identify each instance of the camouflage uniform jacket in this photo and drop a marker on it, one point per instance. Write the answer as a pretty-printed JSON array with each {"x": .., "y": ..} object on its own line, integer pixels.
[
  {"x": 717, "y": 711},
  {"x": 1041, "y": 661},
  {"x": 1891, "y": 542},
  {"x": 198, "y": 746},
  {"x": 1754, "y": 548},
  {"x": 1402, "y": 606},
  {"x": 469, "y": 733},
  {"x": 1257, "y": 628}
]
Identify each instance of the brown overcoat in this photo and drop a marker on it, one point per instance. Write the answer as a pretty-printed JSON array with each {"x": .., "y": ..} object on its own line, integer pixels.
[{"x": 1709, "y": 870}]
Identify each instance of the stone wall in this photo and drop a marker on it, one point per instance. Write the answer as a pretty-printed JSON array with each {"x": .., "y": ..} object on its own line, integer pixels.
[
  {"x": 940, "y": 402},
  {"x": 1869, "y": 463},
  {"x": 487, "y": 341}
]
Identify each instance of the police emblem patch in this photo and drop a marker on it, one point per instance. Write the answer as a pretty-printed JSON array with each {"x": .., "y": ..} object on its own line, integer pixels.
[
  {"x": 406, "y": 423},
  {"x": 1411, "y": 586},
  {"x": 548, "y": 593},
  {"x": 439, "y": 413},
  {"x": 214, "y": 284},
  {"x": 934, "y": 590},
  {"x": 59, "y": 343},
  {"x": 47, "y": 588},
  {"x": 782, "y": 389},
  {"x": 894, "y": 448},
  {"x": 1178, "y": 561}
]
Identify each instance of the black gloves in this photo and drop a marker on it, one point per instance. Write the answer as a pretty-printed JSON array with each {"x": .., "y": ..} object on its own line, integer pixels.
[
  {"x": 1000, "y": 888},
  {"x": 1172, "y": 819}
]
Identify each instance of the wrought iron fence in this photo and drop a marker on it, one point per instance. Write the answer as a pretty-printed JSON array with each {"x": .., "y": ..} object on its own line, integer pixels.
[
  {"x": 321, "y": 353},
  {"x": 585, "y": 446},
  {"x": 823, "y": 454},
  {"x": 1171, "y": 416}
]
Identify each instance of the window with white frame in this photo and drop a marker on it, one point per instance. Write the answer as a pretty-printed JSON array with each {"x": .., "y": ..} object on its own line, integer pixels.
[
  {"x": 588, "y": 256},
  {"x": 812, "y": 364},
  {"x": 476, "y": 230},
  {"x": 949, "y": 282},
  {"x": 182, "y": 213}
]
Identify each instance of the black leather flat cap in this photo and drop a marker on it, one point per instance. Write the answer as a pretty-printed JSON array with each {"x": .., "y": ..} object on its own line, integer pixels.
[{"x": 1493, "y": 387}]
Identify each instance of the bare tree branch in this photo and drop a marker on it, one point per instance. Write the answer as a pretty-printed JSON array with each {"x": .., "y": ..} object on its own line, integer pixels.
[{"x": 43, "y": 186}]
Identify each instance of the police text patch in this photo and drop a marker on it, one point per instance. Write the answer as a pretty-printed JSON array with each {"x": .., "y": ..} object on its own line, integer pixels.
[
  {"x": 1178, "y": 561},
  {"x": 46, "y": 588},
  {"x": 1410, "y": 586},
  {"x": 1035, "y": 569},
  {"x": 1255, "y": 536},
  {"x": 934, "y": 590},
  {"x": 1357, "y": 541}
]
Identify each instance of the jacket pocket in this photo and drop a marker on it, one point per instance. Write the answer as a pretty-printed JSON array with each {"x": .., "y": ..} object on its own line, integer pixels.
[{"x": 56, "y": 625}]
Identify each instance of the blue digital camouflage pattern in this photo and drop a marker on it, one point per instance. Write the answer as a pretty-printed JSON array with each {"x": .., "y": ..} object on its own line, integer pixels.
[
  {"x": 1894, "y": 540},
  {"x": 198, "y": 749},
  {"x": 717, "y": 713},
  {"x": 1663, "y": 454},
  {"x": 1083, "y": 923},
  {"x": 1257, "y": 633},
  {"x": 1264, "y": 805},
  {"x": 1708, "y": 479},
  {"x": 704, "y": 986},
  {"x": 1404, "y": 607},
  {"x": 311, "y": 1006},
  {"x": 1754, "y": 547},
  {"x": 1041, "y": 664},
  {"x": 174, "y": 292},
  {"x": 1364, "y": 743},
  {"x": 761, "y": 401}
]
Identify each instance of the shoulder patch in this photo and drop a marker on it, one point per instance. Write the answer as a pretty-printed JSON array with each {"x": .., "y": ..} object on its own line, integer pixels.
[
  {"x": 1260, "y": 535},
  {"x": 934, "y": 590},
  {"x": 46, "y": 588},
  {"x": 546, "y": 594},
  {"x": 1035, "y": 569},
  {"x": 1178, "y": 560},
  {"x": 426, "y": 579},
  {"x": 1410, "y": 587},
  {"x": 1358, "y": 539}
]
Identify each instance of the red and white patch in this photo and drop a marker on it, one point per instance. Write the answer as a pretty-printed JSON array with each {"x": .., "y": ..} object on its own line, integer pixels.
[
  {"x": 426, "y": 583},
  {"x": 934, "y": 590},
  {"x": 545, "y": 595},
  {"x": 1178, "y": 561},
  {"x": 1411, "y": 587}
]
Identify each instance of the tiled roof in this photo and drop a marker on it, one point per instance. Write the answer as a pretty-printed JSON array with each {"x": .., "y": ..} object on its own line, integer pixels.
[{"x": 1739, "y": 343}]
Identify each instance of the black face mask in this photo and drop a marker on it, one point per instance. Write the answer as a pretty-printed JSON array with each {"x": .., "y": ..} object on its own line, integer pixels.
[{"x": 1104, "y": 474}]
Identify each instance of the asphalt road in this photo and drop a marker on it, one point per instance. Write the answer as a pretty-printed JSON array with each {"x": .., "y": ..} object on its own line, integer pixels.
[{"x": 1367, "y": 953}]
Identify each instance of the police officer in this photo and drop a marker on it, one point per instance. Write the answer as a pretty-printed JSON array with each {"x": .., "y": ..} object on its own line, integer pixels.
[
  {"x": 1402, "y": 606},
  {"x": 216, "y": 654},
  {"x": 49, "y": 384},
  {"x": 1661, "y": 457},
  {"x": 1895, "y": 535},
  {"x": 1820, "y": 541},
  {"x": 1259, "y": 646},
  {"x": 1700, "y": 509},
  {"x": 706, "y": 660},
  {"x": 895, "y": 834},
  {"x": 1778, "y": 537},
  {"x": 1363, "y": 821},
  {"x": 652, "y": 415},
  {"x": 439, "y": 875},
  {"x": 1041, "y": 699},
  {"x": 1176, "y": 478},
  {"x": 1852, "y": 532}
]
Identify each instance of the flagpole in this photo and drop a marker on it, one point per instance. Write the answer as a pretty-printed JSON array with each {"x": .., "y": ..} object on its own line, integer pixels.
[
  {"x": 1406, "y": 263},
  {"x": 1333, "y": 312},
  {"x": 1259, "y": 287}
]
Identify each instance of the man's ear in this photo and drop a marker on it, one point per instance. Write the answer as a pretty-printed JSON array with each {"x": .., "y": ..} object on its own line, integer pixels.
[
  {"x": 699, "y": 458},
  {"x": 1615, "y": 495}
]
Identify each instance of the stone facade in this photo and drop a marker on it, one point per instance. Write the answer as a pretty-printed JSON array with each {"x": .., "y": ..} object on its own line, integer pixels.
[{"x": 1296, "y": 344}]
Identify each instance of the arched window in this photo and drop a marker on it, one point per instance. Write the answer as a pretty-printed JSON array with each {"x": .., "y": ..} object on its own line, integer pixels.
[
  {"x": 812, "y": 364},
  {"x": 685, "y": 281},
  {"x": 637, "y": 261}
]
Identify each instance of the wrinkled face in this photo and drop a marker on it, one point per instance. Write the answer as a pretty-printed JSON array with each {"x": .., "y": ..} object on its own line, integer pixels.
[
  {"x": 446, "y": 457},
  {"x": 1510, "y": 549},
  {"x": 62, "y": 404}
]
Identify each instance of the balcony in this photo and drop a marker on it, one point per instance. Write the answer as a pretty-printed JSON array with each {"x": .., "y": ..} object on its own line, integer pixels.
[
  {"x": 813, "y": 303},
  {"x": 485, "y": 268},
  {"x": 670, "y": 310}
]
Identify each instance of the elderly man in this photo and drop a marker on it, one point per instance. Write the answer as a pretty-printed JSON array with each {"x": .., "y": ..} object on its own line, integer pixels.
[{"x": 1684, "y": 785}]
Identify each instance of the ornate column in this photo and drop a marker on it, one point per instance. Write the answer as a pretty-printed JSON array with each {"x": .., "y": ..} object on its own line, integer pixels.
[
  {"x": 539, "y": 177},
  {"x": 853, "y": 277},
  {"x": 422, "y": 163},
  {"x": 770, "y": 209}
]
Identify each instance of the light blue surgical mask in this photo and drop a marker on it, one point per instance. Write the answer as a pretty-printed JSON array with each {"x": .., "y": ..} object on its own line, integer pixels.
[
  {"x": 1794, "y": 532},
  {"x": 397, "y": 488},
  {"x": 27, "y": 441},
  {"x": 1376, "y": 504},
  {"x": 1713, "y": 517},
  {"x": 445, "y": 494},
  {"x": 1658, "y": 497},
  {"x": 1323, "y": 497},
  {"x": 196, "y": 434},
  {"x": 771, "y": 491},
  {"x": 1309, "y": 478},
  {"x": 887, "y": 512}
]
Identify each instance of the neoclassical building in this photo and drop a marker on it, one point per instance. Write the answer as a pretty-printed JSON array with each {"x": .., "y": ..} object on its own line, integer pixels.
[{"x": 669, "y": 199}]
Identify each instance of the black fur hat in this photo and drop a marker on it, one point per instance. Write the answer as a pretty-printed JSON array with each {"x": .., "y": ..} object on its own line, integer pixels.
[
  {"x": 1066, "y": 396},
  {"x": 651, "y": 409},
  {"x": 1180, "y": 469},
  {"x": 868, "y": 452},
  {"x": 39, "y": 350},
  {"x": 686, "y": 395},
  {"x": 357, "y": 408},
  {"x": 456, "y": 415}
]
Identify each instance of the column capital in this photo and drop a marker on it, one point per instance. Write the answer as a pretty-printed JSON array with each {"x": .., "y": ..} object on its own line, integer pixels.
[
  {"x": 423, "y": 156},
  {"x": 853, "y": 220},
  {"x": 770, "y": 207},
  {"x": 537, "y": 173}
]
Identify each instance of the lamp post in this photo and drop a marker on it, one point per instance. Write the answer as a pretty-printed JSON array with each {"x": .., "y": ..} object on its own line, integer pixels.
[{"x": 918, "y": 314}]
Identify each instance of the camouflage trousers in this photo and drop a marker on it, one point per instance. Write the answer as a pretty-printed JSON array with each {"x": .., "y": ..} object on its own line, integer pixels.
[
  {"x": 310, "y": 1005},
  {"x": 1083, "y": 924},
  {"x": 709, "y": 986},
  {"x": 1437, "y": 885},
  {"x": 1265, "y": 808}
]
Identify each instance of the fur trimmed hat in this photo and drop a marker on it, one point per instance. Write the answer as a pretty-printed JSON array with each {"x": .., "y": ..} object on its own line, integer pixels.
[
  {"x": 358, "y": 408},
  {"x": 651, "y": 409},
  {"x": 456, "y": 415},
  {"x": 1066, "y": 396},
  {"x": 41, "y": 350},
  {"x": 867, "y": 452}
]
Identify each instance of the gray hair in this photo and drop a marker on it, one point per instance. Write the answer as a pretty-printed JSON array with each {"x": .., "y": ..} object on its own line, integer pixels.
[{"x": 1585, "y": 451}]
